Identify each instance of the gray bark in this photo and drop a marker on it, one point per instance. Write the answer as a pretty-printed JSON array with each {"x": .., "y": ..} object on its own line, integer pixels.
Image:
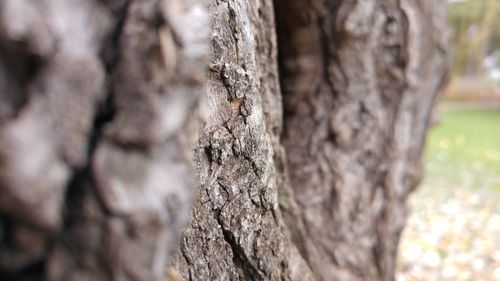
[
  {"x": 236, "y": 231},
  {"x": 304, "y": 160},
  {"x": 95, "y": 120},
  {"x": 358, "y": 82},
  {"x": 359, "y": 79}
]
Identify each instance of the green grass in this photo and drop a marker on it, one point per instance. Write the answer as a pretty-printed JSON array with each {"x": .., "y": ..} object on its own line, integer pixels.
[{"x": 463, "y": 150}]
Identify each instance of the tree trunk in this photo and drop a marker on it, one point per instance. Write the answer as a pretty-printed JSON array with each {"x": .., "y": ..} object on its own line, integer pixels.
[
  {"x": 96, "y": 101},
  {"x": 358, "y": 81},
  {"x": 237, "y": 231},
  {"x": 304, "y": 161}
]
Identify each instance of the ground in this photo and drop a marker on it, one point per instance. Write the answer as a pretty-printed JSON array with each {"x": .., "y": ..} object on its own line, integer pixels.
[{"x": 453, "y": 232}]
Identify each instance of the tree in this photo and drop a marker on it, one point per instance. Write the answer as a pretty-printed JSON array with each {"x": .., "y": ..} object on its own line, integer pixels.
[
  {"x": 318, "y": 194},
  {"x": 96, "y": 127},
  {"x": 315, "y": 117}
]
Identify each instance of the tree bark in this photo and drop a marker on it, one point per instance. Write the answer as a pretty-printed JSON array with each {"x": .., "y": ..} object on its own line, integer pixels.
[
  {"x": 359, "y": 79},
  {"x": 95, "y": 121},
  {"x": 304, "y": 161},
  {"x": 236, "y": 231}
]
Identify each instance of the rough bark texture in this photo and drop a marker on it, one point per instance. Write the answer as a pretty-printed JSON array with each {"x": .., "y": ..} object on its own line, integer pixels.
[
  {"x": 96, "y": 102},
  {"x": 306, "y": 182},
  {"x": 359, "y": 79},
  {"x": 237, "y": 231}
]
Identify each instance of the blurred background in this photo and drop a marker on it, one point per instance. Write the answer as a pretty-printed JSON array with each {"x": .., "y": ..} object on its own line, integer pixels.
[{"x": 453, "y": 232}]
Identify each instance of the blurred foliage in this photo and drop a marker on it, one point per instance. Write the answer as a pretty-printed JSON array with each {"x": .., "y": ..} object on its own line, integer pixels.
[
  {"x": 462, "y": 15},
  {"x": 476, "y": 33}
]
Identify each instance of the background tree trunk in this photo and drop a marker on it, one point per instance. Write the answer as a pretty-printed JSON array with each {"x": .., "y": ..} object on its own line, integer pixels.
[{"x": 96, "y": 101}]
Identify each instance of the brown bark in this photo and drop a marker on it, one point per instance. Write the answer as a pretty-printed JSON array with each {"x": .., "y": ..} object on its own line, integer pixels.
[
  {"x": 358, "y": 79},
  {"x": 303, "y": 170},
  {"x": 96, "y": 102},
  {"x": 236, "y": 231}
]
